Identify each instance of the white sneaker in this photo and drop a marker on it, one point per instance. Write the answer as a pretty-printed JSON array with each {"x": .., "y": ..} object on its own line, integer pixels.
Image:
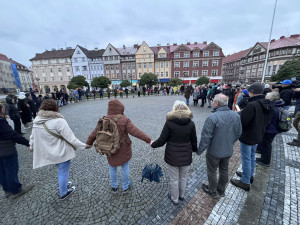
[{"x": 70, "y": 191}]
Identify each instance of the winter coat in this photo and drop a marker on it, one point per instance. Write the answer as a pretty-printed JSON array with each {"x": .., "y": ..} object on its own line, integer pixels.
[
  {"x": 243, "y": 102},
  {"x": 203, "y": 93},
  {"x": 125, "y": 127},
  {"x": 255, "y": 117},
  {"x": 48, "y": 149},
  {"x": 179, "y": 133},
  {"x": 220, "y": 131},
  {"x": 187, "y": 94},
  {"x": 25, "y": 111},
  {"x": 272, "y": 127},
  {"x": 12, "y": 110},
  {"x": 286, "y": 94},
  {"x": 32, "y": 105},
  {"x": 195, "y": 94}
]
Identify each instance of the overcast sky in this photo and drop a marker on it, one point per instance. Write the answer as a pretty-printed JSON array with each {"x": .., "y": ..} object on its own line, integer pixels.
[{"x": 31, "y": 26}]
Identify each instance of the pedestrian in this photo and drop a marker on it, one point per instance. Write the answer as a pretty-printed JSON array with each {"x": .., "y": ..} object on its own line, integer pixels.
[
  {"x": 265, "y": 147},
  {"x": 123, "y": 155},
  {"x": 53, "y": 142},
  {"x": 101, "y": 93},
  {"x": 209, "y": 96},
  {"x": 94, "y": 93},
  {"x": 72, "y": 96},
  {"x": 230, "y": 92},
  {"x": 179, "y": 135},
  {"x": 195, "y": 95},
  {"x": 139, "y": 91},
  {"x": 31, "y": 104},
  {"x": 87, "y": 93},
  {"x": 297, "y": 98},
  {"x": 144, "y": 91},
  {"x": 108, "y": 93},
  {"x": 132, "y": 91},
  {"x": 66, "y": 97},
  {"x": 115, "y": 92},
  {"x": 9, "y": 166},
  {"x": 296, "y": 124},
  {"x": 126, "y": 92},
  {"x": 203, "y": 95},
  {"x": 13, "y": 113},
  {"x": 187, "y": 96},
  {"x": 243, "y": 102},
  {"x": 24, "y": 110},
  {"x": 121, "y": 92},
  {"x": 238, "y": 91},
  {"x": 286, "y": 93},
  {"x": 267, "y": 89},
  {"x": 222, "y": 128},
  {"x": 255, "y": 117}
]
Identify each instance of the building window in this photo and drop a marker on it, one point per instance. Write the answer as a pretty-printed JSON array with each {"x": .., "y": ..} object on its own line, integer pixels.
[
  {"x": 51, "y": 70},
  {"x": 157, "y": 73},
  {"x": 204, "y": 72},
  {"x": 145, "y": 65},
  {"x": 162, "y": 64},
  {"x": 176, "y": 74},
  {"x": 196, "y": 64},
  {"x": 214, "y": 72},
  {"x": 177, "y": 64},
  {"x": 186, "y": 55},
  {"x": 75, "y": 60},
  {"x": 140, "y": 74},
  {"x": 204, "y": 63},
  {"x": 59, "y": 69},
  {"x": 139, "y": 65},
  {"x": 77, "y": 68},
  {"x": 262, "y": 56},
  {"x": 196, "y": 54},
  {"x": 116, "y": 57},
  {"x": 215, "y": 63},
  {"x": 249, "y": 59},
  {"x": 195, "y": 73},
  {"x": 167, "y": 64},
  {"x": 150, "y": 56},
  {"x": 167, "y": 74},
  {"x": 150, "y": 65},
  {"x": 83, "y": 59},
  {"x": 186, "y": 64},
  {"x": 128, "y": 66},
  {"x": 112, "y": 68},
  {"x": 161, "y": 55},
  {"x": 66, "y": 60},
  {"x": 162, "y": 74},
  {"x": 185, "y": 73},
  {"x": 157, "y": 65},
  {"x": 205, "y": 53},
  {"x": 216, "y": 53},
  {"x": 177, "y": 55}
]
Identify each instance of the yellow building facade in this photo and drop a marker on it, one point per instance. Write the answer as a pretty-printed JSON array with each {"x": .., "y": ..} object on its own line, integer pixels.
[{"x": 144, "y": 60}]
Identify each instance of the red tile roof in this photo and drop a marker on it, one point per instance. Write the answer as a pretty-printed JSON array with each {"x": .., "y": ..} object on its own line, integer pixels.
[
  {"x": 190, "y": 46},
  {"x": 236, "y": 56},
  {"x": 293, "y": 40},
  {"x": 3, "y": 57}
]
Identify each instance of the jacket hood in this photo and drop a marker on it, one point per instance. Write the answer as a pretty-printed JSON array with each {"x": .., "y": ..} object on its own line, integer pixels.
[
  {"x": 279, "y": 103},
  {"x": 180, "y": 116},
  {"x": 266, "y": 104},
  {"x": 115, "y": 107},
  {"x": 8, "y": 100},
  {"x": 44, "y": 116}
]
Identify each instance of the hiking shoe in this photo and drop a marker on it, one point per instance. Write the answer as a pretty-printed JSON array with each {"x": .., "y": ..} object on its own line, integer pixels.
[
  {"x": 240, "y": 184},
  {"x": 169, "y": 196},
  {"x": 207, "y": 190},
  {"x": 222, "y": 194},
  {"x": 7, "y": 194},
  {"x": 70, "y": 191},
  {"x": 259, "y": 161},
  {"x": 69, "y": 185},
  {"x": 240, "y": 174},
  {"x": 114, "y": 190},
  {"x": 23, "y": 191},
  {"x": 294, "y": 143},
  {"x": 128, "y": 189}
]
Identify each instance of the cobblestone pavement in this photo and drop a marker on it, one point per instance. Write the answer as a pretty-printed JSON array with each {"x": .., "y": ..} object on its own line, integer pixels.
[{"x": 147, "y": 203}]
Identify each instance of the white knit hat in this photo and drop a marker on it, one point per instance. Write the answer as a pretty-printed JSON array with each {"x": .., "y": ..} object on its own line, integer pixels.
[{"x": 21, "y": 95}]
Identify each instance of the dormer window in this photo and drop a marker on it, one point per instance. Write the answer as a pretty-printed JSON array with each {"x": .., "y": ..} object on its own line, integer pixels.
[{"x": 78, "y": 52}]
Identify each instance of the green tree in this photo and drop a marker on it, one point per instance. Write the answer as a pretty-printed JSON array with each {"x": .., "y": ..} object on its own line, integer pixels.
[
  {"x": 101, "y": 82},
  {"x": 288, "y": 70},
  {"x": 148, "y": 79},
  {"x": 175, "y": 81},
  {"x": 202, "y": 80},
  {"x": 77, "y": 81},
  {"x": 125, "y": 83}
]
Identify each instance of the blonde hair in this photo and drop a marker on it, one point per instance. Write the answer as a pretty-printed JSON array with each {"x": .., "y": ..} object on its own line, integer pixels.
[
  {"x": 180, "y": 105},
  {"x": 273, "y": 96}
]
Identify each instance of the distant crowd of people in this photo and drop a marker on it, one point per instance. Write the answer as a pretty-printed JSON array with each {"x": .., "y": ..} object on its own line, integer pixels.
[{"x": 252, "y": 115}]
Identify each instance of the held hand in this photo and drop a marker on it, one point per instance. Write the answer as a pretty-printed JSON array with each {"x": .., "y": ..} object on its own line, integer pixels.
[
  {"x": 150, "y": 143},
  {"x": 88, "y": 146},
  {"x": 29, "y": 149}
]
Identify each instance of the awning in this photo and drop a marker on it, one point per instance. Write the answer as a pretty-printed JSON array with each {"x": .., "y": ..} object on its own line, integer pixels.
[{"x": 163, "y": 80}]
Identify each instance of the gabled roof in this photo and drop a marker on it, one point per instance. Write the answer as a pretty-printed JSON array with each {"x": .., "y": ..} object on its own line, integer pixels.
[
  {"x": 3, "y": 57},
  {"x": 212, "y": 43},
  {"x": 236, "y": 56},
  {"x": 157, "y": 48},
  {"x": 85, "y": 51},
  {"x": 293, "y": 40},
  {"x": 54, "y": 54},
  {"x": 127, "y": 50},
  {"x": 190, "y": 46}
]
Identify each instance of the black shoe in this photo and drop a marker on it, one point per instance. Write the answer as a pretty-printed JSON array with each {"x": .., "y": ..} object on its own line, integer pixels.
[
  {"x": 259, "y": 161},
  {"x": 202, "y": 106},
  {"x": 70, "y": 191},
  {"x": 128, "y": 189},
  {"x": 23, "y": 191},
  {"x": 114, "y": 190},
  {"x": 222, "y": 194},
  {"x": 206, "y": 189},
  {"x": 175, "y": 203},
  {"x": 240, "y": 184},
  {"x": 181, "y": 199},
  {"x": 295, "y": 140},
  {"x": 240, "y": 174},
  {"x": 208, "y": 106}
]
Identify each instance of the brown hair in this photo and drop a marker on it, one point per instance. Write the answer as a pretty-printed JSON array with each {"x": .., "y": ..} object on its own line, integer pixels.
[
  {"x": 49, "y": 105},
  {"x": 1, "y": 107}
]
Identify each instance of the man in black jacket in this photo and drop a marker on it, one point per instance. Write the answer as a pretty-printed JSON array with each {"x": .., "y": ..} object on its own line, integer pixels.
[
  {"x": 286, "y": 92},
  {"x": 13, "y": 113},
  {"x": 254, "y": 117},
  {"x": 9, "y": 159}
]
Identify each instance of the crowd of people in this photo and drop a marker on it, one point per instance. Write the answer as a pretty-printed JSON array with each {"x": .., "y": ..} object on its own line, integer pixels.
[{"x": 253, "y": 115}]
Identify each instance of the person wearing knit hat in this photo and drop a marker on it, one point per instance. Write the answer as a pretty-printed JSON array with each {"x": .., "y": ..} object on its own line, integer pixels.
[{"x": 254, "y": 117}]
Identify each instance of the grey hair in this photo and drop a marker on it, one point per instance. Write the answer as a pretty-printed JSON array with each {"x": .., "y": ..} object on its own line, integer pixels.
[
  {"x": 273, "y": 96},
  {"x": 221, "y": 99},
  {"x": 180, "y": 105}
]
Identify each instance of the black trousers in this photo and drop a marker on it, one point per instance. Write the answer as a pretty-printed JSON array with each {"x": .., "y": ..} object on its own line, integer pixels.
[
  {"x": 265, "y": 147},
  {"x": 17, "y": 126},
  {"x": 213, "y": 163}
]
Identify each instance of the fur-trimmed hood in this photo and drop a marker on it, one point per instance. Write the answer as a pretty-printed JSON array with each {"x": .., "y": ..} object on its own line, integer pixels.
[
  {"x": 180, "y": 116},
  {"x": 44, "y": 116}
]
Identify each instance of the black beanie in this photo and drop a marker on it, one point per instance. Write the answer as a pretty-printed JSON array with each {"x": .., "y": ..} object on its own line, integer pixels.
[{"x": 256, "y": 88}]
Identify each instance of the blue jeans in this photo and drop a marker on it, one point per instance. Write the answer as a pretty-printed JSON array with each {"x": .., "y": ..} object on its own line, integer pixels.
[
  {"x": 114, "y": 176},
  {"x": 248, "y": 161},
  {"x": 187, "y": 101},
  {"x": 9, "y": 168},
  {"x": 63, "y": 177}
]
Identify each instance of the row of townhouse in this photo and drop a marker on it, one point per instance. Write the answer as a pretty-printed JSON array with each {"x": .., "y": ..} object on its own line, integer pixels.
[
  {"x": 54, "y": 69},
  {"x": 247, "y": 66},
  {"x": 14, "y": 75}
]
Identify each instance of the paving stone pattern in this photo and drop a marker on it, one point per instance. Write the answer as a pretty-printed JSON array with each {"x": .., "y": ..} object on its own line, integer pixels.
[{"x": 92, "y": 202}]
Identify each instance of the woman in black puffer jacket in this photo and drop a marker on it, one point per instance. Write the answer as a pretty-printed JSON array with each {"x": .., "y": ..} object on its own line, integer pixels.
[{"x": 179, "y": 133}]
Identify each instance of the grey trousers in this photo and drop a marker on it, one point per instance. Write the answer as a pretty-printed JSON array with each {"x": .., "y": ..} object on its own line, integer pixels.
[
  {"x": 213, "y": 163},
  {"x": 178, "y": 177}
]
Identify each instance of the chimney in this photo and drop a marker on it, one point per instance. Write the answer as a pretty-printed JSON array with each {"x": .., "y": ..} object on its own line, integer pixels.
[
  {"x": 295, "y": 35},
  {"x": 96, "y": 49},
  {"x": 273, "y": 40},
  {"x": 168, "y": 44},
  {"x": 282, "y": 37},
  {"x": 205, "y": 42},
  {"x": 195, "y": 43},
  {"x": 124, "y": 46},
  {"x": 135, "y": 45},
  {"x": 174, "y": 44},
  {"x": 188, "y": 43},
  {"x": 158, "y": 45}
]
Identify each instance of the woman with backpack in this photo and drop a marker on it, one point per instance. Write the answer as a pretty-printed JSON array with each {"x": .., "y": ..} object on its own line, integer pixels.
[
  {"x": 123, "y": 153},
  {"x": 179, "y": 133}
]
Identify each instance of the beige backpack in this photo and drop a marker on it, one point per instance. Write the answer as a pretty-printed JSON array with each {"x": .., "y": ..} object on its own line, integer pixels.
[{"x": 107, "y": 137}]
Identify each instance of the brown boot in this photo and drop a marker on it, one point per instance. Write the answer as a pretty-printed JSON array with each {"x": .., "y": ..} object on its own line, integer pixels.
[
  {"x": 23, "y": 191},
  {"x": 240, "y": 184}
]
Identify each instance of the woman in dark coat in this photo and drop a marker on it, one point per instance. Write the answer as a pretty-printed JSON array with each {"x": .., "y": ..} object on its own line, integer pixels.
[
  {"x": 179, "y": 133},
  {"x": 24, "y": 110},
  {"x": 13, "y": 113}
]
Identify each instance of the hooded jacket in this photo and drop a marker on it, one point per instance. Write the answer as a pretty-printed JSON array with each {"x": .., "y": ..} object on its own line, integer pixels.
[
  {"x": 48, "y": 149},
  {"x": 24, "y": 111},
  {"x": 12, "y": 110},
  {"x": 125, "y": 127},
  {"x": 286, "y": 94},
  {"x": 179, "y": 133},
  {"x": 272, "y": 127},
  {"x": 256, "y": 115}
]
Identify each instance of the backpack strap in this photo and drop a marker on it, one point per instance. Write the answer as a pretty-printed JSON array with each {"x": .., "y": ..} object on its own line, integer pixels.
[{"x": 117, "y": 117}]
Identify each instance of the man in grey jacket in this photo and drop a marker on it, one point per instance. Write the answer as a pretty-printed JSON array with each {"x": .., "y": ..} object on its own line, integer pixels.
[{"x": 220, "y": 131}]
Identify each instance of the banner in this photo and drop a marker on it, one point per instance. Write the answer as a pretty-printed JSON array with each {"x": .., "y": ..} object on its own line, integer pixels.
[{"x": 16, "y": 75}]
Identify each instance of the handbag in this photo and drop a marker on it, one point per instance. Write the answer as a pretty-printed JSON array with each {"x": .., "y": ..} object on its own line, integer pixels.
[
  {"x": 7, "y": 148},
  {"x": 58, "y": 136}
]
